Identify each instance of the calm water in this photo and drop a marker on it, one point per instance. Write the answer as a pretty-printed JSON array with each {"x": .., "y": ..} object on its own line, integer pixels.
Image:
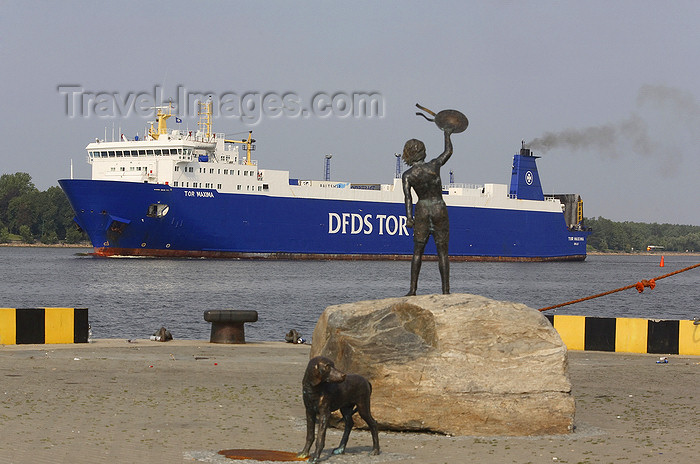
[{"x": 131, "y": 298}]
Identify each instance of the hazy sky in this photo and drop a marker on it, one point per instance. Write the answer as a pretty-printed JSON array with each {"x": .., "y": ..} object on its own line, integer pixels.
[{"x": 608, "y": 92}]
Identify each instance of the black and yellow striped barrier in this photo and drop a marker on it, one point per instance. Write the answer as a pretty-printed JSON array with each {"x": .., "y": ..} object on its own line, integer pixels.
[
  {"x": 628, "y": 335},
  {"x": 43, "y": 325}
]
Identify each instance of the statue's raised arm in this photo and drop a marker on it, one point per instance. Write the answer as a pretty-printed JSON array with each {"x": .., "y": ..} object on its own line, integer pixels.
[{"x": 445, "y": 156}]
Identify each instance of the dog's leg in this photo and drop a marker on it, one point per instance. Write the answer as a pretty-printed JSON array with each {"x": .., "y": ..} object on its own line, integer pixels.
[
  {"x": 347, "y": 413},
  {"x": 310, "y": 429},
  {"x": 366, "y": 415},
  {"x": 321, "y": 439}
]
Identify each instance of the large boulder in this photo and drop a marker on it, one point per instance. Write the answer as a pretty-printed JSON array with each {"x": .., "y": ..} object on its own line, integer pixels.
[{"x": 457, "y": 364}]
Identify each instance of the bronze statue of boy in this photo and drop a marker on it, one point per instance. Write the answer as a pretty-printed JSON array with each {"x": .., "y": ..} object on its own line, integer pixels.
[{"x": 431, "y": 211}]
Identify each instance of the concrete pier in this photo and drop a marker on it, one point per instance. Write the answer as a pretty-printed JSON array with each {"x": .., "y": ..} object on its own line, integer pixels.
[{"x": 183, "y": 401}]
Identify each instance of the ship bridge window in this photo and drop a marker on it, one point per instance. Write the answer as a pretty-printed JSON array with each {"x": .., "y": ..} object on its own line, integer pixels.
[
  {"x": 157, "y": 210},
  {"x": 158, "y": 152},
  {"x": 119, "y": 154},
  {"x": 142, "y": 152},
  {"x": 173, "y": 151},
  {"x": 149, "y": 152}
]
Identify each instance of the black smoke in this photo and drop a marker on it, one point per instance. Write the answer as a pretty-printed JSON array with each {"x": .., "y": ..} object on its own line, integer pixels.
[{"x": 663, "y": 119}]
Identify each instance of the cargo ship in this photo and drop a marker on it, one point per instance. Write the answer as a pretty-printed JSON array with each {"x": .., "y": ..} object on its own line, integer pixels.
[{"x": 198, "y": 194}]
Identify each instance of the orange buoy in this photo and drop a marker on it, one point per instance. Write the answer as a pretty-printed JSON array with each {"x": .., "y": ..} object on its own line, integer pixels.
[{"x": 661, "y": 264}]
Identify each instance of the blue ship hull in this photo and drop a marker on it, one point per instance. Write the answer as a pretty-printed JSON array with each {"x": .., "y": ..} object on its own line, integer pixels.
[{"x": 208, "y": 223}]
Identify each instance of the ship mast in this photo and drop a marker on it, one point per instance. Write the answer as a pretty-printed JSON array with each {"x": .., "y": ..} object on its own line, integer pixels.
[
  {"x": 248, "y": 146},
  {"x": 204, "y": 124},
  {"x": 161, "y": 118}
]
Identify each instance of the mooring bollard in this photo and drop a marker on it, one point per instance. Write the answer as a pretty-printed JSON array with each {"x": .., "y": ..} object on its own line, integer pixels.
[{"x": 227, "y": 324}]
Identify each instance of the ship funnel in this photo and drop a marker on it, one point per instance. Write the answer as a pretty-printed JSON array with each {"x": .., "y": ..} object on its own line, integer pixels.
[{"x": 525, "y": 180}]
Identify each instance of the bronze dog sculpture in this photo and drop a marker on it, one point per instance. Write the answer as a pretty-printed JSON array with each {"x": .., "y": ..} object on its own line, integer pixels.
[{"x": 326, "y": 389}]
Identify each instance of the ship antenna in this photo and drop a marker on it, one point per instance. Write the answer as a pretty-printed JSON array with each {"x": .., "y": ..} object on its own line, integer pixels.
[
  {"x": 397, "y": 175},
  {"x": 328, "y": 167}
]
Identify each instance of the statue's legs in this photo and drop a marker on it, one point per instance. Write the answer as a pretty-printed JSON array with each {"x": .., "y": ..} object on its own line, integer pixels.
[
  {"x": 416, "y": 262},
  {"x": 441, "y": 234},
  {"x": 444, "y": 266}
]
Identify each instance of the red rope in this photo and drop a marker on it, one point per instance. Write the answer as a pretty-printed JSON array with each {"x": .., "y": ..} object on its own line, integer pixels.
[{"x": 639, "y": 286}]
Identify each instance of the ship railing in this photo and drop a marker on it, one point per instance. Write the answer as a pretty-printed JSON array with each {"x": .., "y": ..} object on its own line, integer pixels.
[
  {"x": 513, "y": 196},
  {"x": 462, "y": 186}
]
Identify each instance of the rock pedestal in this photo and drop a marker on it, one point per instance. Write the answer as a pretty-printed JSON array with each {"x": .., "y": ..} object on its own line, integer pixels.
[{"x": 457, "y": 364}]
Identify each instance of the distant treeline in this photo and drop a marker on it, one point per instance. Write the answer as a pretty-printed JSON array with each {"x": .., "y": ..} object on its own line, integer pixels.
[
  {"x": 28, "y": 215},
  {"x": 609, "y": 235}
]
